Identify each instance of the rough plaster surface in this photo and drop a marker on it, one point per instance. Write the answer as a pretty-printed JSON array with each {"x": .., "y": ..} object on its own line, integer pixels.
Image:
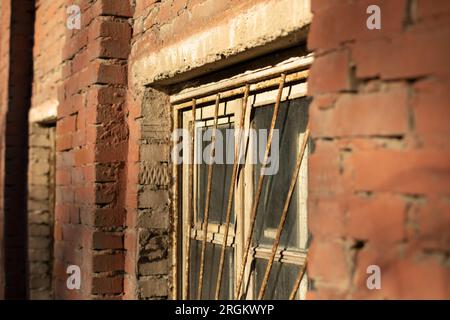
[{"x": 255, "y": 28}]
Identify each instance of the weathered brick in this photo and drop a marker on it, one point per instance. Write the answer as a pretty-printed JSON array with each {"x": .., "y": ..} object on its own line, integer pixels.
[
  {"x": 331, "y": 266},
  {"x": 154, "y": 287},
  {"x": 364, "y": 114},
  {"x": 154, "y": 268},
  {"x": 378, "y": 219},
  {"x": 103, "y": 240},
  {"x": 335, "y": 64},
  {"x": 415, "y": 171},
  {"x": 108, "y": 262},
  {"x": 105, "y": 285}
]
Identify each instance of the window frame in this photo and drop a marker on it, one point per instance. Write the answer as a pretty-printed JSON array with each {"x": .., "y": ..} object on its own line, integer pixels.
[{"x": 262, "y": 93}]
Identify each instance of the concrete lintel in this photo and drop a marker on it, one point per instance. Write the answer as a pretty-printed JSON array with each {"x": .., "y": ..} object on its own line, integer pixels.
[
  {"x": 44, "y": 113},
  {"x": 263, "y": 28}
]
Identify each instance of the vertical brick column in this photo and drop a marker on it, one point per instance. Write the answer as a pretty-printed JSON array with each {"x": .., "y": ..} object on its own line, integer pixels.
[
  {"x": 91, "y": 151},
  {"x": 17, "y": 26},
  {"x": 380, "y": 167}
]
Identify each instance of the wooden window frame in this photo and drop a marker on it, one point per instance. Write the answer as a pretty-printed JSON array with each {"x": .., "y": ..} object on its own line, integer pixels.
[{"x": 262, "y": 86}]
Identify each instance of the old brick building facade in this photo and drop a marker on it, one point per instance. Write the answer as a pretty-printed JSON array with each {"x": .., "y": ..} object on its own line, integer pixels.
[{"x": 87, "y": 116}]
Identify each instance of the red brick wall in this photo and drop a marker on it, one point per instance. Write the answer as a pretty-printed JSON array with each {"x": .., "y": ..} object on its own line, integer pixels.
[
  {"x": 380, "y": 171},
  {"x": 49, "y": 37},
  {"x": 91, "y": 151}
]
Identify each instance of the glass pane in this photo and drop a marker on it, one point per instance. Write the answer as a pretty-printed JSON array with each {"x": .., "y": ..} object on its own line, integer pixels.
[
  {"x": 291, "y": 123},
  {"x": 281, "y": 280},
  {"x": 212, "y": 258},
  {"x": 221, "y": 176}
]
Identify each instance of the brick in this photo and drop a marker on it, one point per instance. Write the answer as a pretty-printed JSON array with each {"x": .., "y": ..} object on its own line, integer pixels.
[
  {"x": 431, "y": 9},
  {"x": 103, "y": 217},
  {"x": 331, "y": 266},
  {"x": 39, "y": 243},
  {"x": 402, "y": 278},
  {"x": 105, "y": 95},
  {"x": 326, "y": 218},
  {"x": 430, "y": 54},
  {"x": 38, "y": 217},
  {"x": 64, "y": 142},
  {"x": 75, "y": 44},
  {"x": 39, "y": 230},
  {"x": 154, "y": 268},
  {"x": 78, "y": 177},
  {"x": 111, "y": 74},
  {"x": 378, "y": 219},
  {"x": 103, "y": 240},
  {"x": 364, "y": 114},
  {"x": 105, "y": 285},
  {"x": 113, "y": 8},
  {"x": 158, "y": 200},
  {"x": 106, "y": 172},
  {"x": 414, "y": 171},
  {"x": 154, "y": 219},
  {"x": 108, "y": 262},
  {"x": 368, "y": 57},
  {"x": 433, "y": 219},
  {"x": 105, "y": 152},
  {"x": 431, "y": 111},
  {"x": 39, "y": 193},
  {"x": 155, "y": 152},
  {"x": 336, "y": 66},
  {"x": 120, "y": 31},
  {"x": 107, "y": 48},
  {"x": 41, "y": 268},
  {"x": 326, "y": 179},
  {"x": 338, "y": 22},
  {"x": 154, "y": 287},
  {"x": 320, "y": 5},
  {"x": 83, "y": 156},
  {"x": 39, "y": 283},
  {"x": 105, "y": 192},
  {"x": 325, "y": 294},
  {"x": 366, "y": 257}
]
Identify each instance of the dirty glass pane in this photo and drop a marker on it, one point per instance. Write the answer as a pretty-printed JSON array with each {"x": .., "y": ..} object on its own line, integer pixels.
[
  {"x": 221, "y": 176},
  {"x": 281, "y": 280},
  {"x": 212, "y": 258},
  {"x": 291, "y": 123}
]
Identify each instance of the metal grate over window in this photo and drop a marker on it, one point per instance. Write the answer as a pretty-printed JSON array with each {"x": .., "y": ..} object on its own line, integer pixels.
[{"x": 238, "y": 232}]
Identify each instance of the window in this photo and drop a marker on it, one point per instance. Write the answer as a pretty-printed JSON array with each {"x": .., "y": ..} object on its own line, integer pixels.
[{"x": 255, "y": 225}]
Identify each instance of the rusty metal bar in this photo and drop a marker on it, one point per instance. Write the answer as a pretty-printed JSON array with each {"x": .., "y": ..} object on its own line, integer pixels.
[
  {"x": 175, "y": 249},
  {"x": 257, "y": 86},
  {"x": 251, "y": 77},
  {"x": 260, "y": 186},
  {"x": 298, "y": 281},
  {"x": 208, "y": 199},
  {"x": 231, "y": 190},
  {"x": 276, "y": 243},
  {"x": 191, "y": 207}
]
